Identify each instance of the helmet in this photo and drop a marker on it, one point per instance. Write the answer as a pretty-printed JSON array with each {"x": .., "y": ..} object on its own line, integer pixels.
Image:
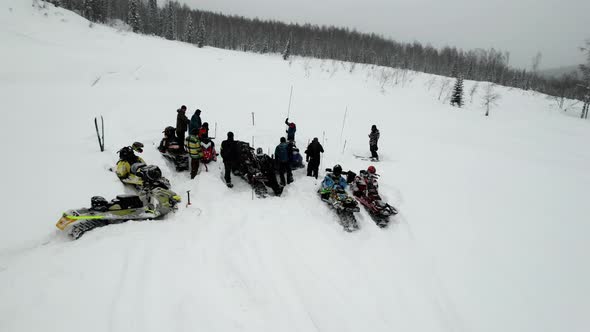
[
  {"x": 169, "y": 131},
  {"x": 205, "y": 125},
  {"x": 153, "y": 172},
  {"x": 371, "y": 169},
  {"x": 337, "y": 170},
  {"x": 126, "y": 153},
  {"x": 292, "y": 125},
  {"x": 98, "y": 202},
  {"x": 137, "y": 146},
  {"x": 259, "y": 151}
]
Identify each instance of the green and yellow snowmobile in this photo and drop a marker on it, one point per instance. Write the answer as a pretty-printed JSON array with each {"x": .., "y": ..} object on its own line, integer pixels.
[{"x": 149, "y": 204}]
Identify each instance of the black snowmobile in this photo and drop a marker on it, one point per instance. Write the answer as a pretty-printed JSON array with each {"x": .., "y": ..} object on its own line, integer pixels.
[
  {"x": 149, "y": 204},
  {"x": 173, "y": 150},
  {"x": 146, "y": 177},
  {"x": 258, "y": 170},
  {"x": 332, "y": 191}
]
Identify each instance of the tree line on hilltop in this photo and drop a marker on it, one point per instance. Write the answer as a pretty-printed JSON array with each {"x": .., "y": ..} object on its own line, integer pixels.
[{"x": 174, "y": 21}]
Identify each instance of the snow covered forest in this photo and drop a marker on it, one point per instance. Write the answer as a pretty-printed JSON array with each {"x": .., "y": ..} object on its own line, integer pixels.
[{"x": 174, "y": 21}]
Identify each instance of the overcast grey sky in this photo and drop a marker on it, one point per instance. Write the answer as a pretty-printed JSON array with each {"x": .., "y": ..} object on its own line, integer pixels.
[{"x": 556, "y": 28}]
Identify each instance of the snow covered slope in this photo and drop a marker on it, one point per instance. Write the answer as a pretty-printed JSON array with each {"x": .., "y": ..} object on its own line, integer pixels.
[{"x": 492, "y": 234}]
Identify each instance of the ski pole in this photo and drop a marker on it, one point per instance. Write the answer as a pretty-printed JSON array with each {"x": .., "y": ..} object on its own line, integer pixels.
[
  {"x": 323, "y": 143},
  {"x": 343, "y": 122},
  {"x": 102, "y": 133},
  {"x": 188, "y": 194},
  {"x": 289, "y": 109}
]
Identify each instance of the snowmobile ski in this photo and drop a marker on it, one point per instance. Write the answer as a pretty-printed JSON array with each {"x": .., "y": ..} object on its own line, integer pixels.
[{"x": 366, "y": 158}]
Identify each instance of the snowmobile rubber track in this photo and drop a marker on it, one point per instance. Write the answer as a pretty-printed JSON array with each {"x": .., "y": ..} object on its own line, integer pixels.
[
  {"x": 260, "y": 190},
  {"x": 348, "y": 221},
  {"x": 79, "y": 229}
]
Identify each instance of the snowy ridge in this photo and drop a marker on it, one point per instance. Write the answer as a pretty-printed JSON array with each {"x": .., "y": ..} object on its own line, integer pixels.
[{"x": 491, "y": 234}]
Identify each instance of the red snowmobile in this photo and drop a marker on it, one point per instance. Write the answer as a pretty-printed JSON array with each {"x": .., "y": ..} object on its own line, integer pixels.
[
  {"x": 209, "y": 153},
  {"x": 365, "y": 190}
]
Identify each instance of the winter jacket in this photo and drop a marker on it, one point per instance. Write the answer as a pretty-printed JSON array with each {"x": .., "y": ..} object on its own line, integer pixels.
[
  {"x": 374, "y": 137},
  {"x": 291, "y": 130},
  {"x": 314, "y": 149},
  {"x": 330, "y": 180},
  {"x": 229, "y": 151},
  {"x": 282, "y": 153},
  {"x": 181, "y": 123},
  {"x": 193, "y": 146},
  {"x": 195, "y": 123}
]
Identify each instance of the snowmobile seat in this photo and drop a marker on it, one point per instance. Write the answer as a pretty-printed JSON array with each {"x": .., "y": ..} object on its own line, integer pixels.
[
  {"x": 136, "y": 167},
  {"x": 128, "y": 201},
  {"x": 350, "y": 176}
]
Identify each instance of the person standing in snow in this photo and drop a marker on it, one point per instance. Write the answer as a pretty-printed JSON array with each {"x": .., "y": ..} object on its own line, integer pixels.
[
  {"x": 313, "y": 151},
  {"x": 373, "y": 140},
  {"x": 195, "y": 152},
  {"x": 204, "y": 131},
  {"x": 195, "y": 121},
  {"x": 290, "y": 130},
  {"x": 282, "y": 154},
  {"x": 231, "y": 156},
  {"x": 182, "y": 123}
]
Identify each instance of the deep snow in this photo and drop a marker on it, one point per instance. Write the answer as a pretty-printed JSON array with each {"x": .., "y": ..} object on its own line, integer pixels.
[{"x": 491, "y": 235}]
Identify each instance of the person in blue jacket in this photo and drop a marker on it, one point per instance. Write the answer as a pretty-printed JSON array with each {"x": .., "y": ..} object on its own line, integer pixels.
[
  {"x": 333, "y": 180},
  {"x": 282, "y": 158},
  {"x": 290, "y": 130}
]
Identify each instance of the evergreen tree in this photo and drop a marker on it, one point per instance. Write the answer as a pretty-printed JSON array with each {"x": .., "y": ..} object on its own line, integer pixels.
[
  {"x": 201, "y": 33},
  {"x": 287, "y": 51},
  {"x": 101, "y": 10},
  {"x": 455, "y": 70},
  {"x": 88, "y": 9},
  {"x": 457, "y": 97},
  {"x": 169, "y": 23},
  {"x": 189, "y": 32},
  {"x": 153, "y": 18},
  {"x": 133, "y": 16}
]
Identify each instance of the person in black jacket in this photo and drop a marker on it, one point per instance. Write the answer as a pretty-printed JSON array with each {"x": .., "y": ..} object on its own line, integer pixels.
[
  {"x": 313, "y": 157},
  {"x": 230, "y": 155},
  {"x": 182, "y": 123},
  {"x": 373, "y": 140}
]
